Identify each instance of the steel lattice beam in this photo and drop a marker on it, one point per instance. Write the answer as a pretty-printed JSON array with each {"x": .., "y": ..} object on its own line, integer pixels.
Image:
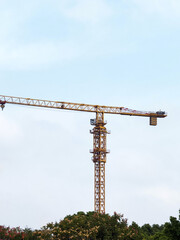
[
  {"x": 78, "y": 106},
  {"x": 99, "y": 158}
]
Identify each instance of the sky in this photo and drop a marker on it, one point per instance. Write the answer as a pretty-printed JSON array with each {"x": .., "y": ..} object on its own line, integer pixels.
[{"x": 118, "y": 53}]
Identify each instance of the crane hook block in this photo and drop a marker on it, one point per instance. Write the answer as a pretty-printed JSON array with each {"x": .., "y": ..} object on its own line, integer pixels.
[{"x": 2, "y": 104}]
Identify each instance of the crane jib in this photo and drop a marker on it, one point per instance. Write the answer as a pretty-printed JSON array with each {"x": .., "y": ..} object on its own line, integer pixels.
[{"x": 78, "y": 107}]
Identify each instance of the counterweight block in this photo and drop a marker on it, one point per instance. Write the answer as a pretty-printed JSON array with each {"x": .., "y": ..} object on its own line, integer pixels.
[{"x": 153, "y": 121}]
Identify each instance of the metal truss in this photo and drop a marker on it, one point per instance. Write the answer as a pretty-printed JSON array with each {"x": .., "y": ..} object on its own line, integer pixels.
[
  {"x": 99, "y": 158},
  {"x": 78, "y": 106},
  {"x": 99, "y": 133}
]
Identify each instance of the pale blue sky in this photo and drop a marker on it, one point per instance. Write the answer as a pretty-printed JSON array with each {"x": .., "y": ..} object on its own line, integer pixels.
[{"x": 122, "y": 53}]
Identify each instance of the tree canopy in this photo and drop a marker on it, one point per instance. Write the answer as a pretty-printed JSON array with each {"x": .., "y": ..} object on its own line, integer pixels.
[{"x": 95, "y": 226}]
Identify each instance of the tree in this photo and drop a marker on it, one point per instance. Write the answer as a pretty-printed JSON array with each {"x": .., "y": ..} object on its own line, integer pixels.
[
  {"x": 90, "y": 226},
  {"x": 172, "y": 229}
]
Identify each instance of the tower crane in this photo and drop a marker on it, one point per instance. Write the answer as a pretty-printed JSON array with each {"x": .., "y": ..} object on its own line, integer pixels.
[{"x": 99, "y": 132}]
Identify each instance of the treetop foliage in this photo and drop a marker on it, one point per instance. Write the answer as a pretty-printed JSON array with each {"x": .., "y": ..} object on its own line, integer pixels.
[{"x": 95, "y": 226}]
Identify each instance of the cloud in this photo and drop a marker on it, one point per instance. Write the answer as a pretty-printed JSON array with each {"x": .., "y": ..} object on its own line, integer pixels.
[
  {"x": 9, "y": 130},
  {"x": 13, "y": 15},
  {"x": 32, "y": 55},
  {"x": 25, "y": 54},
  {"x": 163, "y": 8},
  {"x": 164, "y": 194},
  {"x": 88, "y": 11},
  {"x": 18, "y": 52},
  {"x": 45, "y": 54}
]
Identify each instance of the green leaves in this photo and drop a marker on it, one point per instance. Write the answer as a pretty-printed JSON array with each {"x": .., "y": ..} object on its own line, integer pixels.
[
  {"x": 95, "y": 226},
  {"x": 172, "y": 229},
  {"x": 92, "y": 225}
]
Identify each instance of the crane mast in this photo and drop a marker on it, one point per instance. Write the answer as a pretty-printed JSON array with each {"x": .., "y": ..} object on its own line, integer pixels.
[
  {"x": 99, "y": 158},
  {"x": 99, "y": 132}
]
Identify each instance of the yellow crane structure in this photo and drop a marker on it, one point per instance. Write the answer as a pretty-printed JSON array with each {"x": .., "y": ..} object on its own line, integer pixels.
[{"x": 99, "y": 132}]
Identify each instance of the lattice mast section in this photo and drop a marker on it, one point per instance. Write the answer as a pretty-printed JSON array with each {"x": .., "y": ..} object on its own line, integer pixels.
[{"x": 99, "y": 158}]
